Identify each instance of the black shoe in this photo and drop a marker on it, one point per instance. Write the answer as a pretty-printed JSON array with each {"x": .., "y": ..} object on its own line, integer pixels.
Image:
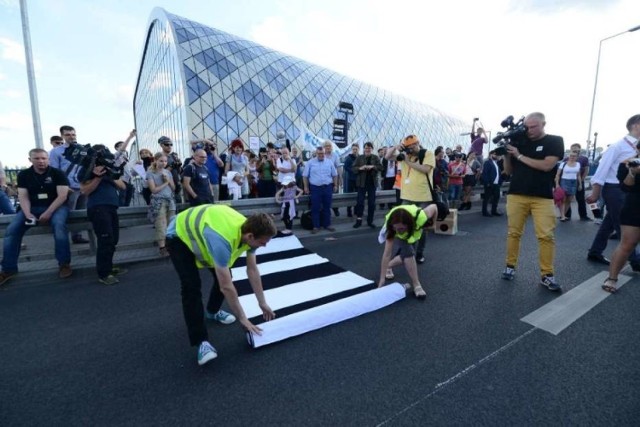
[
  {"x": 598, "y": 258},
  {"x": 358, "y": 223},
  {"x": 419, "y": 258},
  {"x": 635, "y": 266},
  {"x": 372, "y": 225},
  {"x": 336, "y": 212},
  {"x": 585, "y": 218},
  {"x": 486, "y": 214},
  {"x": 496, "y": 213},
  {"x": 349, "y": 212},
  {"x": 79, "y": 240}
]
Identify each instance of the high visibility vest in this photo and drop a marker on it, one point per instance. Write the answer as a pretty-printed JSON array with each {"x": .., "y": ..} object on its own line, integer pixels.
[
  {"x": 419, "y": 217},
  {"x": 225, "y": 221}
]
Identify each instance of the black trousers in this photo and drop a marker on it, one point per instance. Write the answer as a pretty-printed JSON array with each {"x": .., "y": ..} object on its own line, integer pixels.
[
  {"x": 370, "y": 192},
  {"x": 107, "y": 228},
  {"x": 191, "y": 289},
  {"x": 582, "y": 204},
  {"x": 491, "y": 193}
]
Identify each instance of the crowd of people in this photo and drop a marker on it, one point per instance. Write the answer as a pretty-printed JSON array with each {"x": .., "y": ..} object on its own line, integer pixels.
[{"x": 427, "y": 184}]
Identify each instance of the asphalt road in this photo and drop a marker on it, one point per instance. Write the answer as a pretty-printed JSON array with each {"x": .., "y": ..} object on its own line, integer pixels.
[{"x": 75, "y": 353}]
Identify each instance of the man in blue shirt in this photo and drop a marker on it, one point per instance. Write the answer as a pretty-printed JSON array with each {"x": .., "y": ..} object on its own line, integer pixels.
[{"x": 320, "y": 179}]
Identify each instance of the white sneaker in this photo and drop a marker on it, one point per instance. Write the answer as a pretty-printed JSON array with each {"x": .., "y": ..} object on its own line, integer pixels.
[
  {"x": 222, "y": 317},
  {"x": 206, "y": 353}
]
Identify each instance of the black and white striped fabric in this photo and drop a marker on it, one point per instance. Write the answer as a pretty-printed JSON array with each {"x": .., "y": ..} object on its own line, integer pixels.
[{"x": 306, "y": 291}]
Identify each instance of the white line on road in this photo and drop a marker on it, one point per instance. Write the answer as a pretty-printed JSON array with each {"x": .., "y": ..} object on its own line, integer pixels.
[{"x": 557, "y": 315}]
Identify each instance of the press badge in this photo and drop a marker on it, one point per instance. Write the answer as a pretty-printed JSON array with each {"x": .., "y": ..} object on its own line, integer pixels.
[
  {"x": 42, "y": 196},
  {"x": 539, "y": 148}
]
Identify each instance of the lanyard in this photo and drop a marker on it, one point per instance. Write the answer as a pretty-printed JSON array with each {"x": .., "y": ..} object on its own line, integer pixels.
[{"x": 630, "y": 143}]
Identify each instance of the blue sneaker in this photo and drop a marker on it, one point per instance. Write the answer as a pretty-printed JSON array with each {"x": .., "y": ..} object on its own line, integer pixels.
[
  {"x": 221, "y": 317},
  {"x": 206, "y": 353},
  {"x": 550, "y": 283},
  {"x": 508, "y": 273}
]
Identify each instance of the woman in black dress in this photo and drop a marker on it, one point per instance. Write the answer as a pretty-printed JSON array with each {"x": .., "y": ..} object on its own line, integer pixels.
[{"x": 629, "y": 177}]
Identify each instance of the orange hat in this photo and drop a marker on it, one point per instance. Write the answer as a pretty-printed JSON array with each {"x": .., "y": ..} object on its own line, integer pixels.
[{"x": 410, "y": 140}]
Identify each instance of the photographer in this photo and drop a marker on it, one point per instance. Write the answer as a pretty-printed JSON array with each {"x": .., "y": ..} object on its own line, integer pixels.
[
  {"x": 531, "y": 162},
  {"x": 42, "y": 191},
  {"x": 102, "y": 192},
  {"x": 417, "y": 166}
]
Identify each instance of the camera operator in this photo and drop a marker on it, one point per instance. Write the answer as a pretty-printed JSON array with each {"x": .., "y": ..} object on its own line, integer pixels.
[
  {"x": 531, "y": 164},
  {"x": 417, "y": 166},
  {"x": 103, "y": 200}
]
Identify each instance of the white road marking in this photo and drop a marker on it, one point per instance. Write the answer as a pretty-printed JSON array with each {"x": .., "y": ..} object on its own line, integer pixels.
[{"x": 557, "y": 315}]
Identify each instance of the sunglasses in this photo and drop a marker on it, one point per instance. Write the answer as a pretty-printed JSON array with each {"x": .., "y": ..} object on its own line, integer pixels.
[{"x": 168, "y": 144}]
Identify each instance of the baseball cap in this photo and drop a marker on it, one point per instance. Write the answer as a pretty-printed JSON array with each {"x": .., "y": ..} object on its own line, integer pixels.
[
  {"x": 163, "y": 139},
  {"x": 410, "y": 140}
]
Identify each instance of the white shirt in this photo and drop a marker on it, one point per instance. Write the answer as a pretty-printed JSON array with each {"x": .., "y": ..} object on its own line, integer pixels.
[
  {"x": 570, "y": 172},
  {"x": 617, "y": 153}
]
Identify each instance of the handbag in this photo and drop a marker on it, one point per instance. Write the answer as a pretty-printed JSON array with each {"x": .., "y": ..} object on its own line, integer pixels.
[{"x": 558, "y": 196}]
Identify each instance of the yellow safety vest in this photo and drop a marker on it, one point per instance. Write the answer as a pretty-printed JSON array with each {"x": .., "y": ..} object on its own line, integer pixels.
[
  {"x": 190, "y": 226},
  {"x": 418, "y": 215}
]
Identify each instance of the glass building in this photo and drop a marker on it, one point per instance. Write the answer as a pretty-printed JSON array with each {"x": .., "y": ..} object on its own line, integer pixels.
[{"x": 199, "y": 82}]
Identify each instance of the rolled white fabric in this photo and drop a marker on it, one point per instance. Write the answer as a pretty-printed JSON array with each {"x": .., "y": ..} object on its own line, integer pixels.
[{"x": 328, "y": 314}]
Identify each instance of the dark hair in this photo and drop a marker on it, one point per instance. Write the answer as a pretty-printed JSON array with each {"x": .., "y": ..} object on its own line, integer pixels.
[
  {"x": 632, "y": 121},
  {"x": 118, "y": 144},
  {"x": 56, "y": 138},
  {"x": 368, "y": 144},
  {"x": 66, "y": 128},
  {"x": 400, "y": 216},
  {"x": 260, "y": 225},
  {"x": 438, "y": 150}
]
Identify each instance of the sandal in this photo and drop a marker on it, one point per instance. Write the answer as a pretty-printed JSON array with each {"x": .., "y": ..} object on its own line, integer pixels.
[
  {"x": 610, "y": 288},
  {"x": 419, "y": 292},
  {"x": 389, "y": 275}
]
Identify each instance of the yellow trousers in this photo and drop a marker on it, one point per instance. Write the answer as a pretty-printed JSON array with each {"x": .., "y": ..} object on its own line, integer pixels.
[{"x": 519, "y": 208}]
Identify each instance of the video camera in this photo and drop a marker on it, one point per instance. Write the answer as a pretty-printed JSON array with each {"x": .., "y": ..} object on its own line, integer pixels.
[
  {"x": 515, "y": 135},
  {"x": 88, "y": 157}
]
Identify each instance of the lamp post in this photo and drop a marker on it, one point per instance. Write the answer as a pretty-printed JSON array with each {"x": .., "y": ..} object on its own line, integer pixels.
[
  {"x": 33, "y": 92},
  {"x": 595, "y": 85}
]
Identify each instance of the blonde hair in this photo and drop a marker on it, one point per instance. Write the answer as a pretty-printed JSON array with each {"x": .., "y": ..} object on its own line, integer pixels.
[{"x": 154, "y": 167}]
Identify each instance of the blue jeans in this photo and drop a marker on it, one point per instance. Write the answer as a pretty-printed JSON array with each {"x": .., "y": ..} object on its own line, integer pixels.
[
  {"x": 6, "y": 207},
  {"x": 321, "y": 198},
  {"x": 15, "y": 231}
]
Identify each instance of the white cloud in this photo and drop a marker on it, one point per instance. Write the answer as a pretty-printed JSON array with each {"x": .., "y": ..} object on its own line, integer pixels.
[
  {"x": 12, "y": 50},
  {"x": 13, "y": 94},
  {"x": 14, "y": 122}
]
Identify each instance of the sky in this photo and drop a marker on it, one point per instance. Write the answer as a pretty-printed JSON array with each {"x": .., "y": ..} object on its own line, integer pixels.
[{"x": 467, "y": 58}]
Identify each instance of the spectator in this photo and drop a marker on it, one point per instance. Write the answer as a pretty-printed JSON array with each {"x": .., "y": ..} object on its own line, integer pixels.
[
  {"x": 349, "y": 178},
  {"x": 42, "y": 191},
  {"x": 163, "y": 204},
  {"x": 403, "y": 227},
  {"x": 102, "y": 210},
  {"x": 266, "y": 168},
  {"x": 456, "y": 176},
  {"x": 195, "y": 180},
  {"x": 146, "y": 158},
  {"x": 629, "y": 221},
  {"x": 286, "y": 166},
  {"x": 441, "y": 173},
  {"x": 417, "y": 168},
  {"x": 478, "y": 140},
  {"x": 584, "y": 172},
  {"x": 335, "y": 159},
  {"x": 56, "y": 141},
  {"x": 238, "y": 162},
  {"x": 366, "y": 168},
  {"x": 491, "y": 180},
  {"x": 472, "y": 170},
  {"x": 605, "y": 183},
  {"x": 531, "y": 194},
  {"x": 121, "y": 149},
  {"x": 389, "y": 172},
  {"x": 288, "y": 196},
  {"x": 297, "y": 156},
  {"x": 569, "y": 179},
  {"x": 253, "y": 176},
  {"x": 234, "y": 184},
  {"x": 215, "y": 239},
  {"x": 76, "y": 199},
  {"x": 320, "y": 181},
  {"x": 174, "y": 165},
  {"x": 6, "y": 207}
]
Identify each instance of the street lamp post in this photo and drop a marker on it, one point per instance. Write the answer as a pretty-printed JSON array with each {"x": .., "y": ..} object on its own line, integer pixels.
[{"x": 595, "y": 85}]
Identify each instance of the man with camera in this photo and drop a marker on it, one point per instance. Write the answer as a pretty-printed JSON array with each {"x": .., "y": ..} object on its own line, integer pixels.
[
  {"x": 605, "y": 183},
  {"x": 417, "y": 171},
  {"x": 531, "y": 161},
  {"x": 42, "y": 192},
  {"x": 103, "y": 199}
]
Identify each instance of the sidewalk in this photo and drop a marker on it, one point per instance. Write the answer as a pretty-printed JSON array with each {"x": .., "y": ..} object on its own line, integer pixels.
[{"x": 37, "y": 261}]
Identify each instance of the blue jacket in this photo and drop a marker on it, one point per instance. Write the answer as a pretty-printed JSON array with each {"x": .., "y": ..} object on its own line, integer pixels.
[{"x": 489, "y": 172}]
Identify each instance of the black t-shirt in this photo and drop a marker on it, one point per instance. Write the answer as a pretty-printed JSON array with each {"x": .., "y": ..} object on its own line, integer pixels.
[
  {"x": 42, "y": 188},
  {"x": 199, "y": 181},
  {"x": 528, "y": 181}
]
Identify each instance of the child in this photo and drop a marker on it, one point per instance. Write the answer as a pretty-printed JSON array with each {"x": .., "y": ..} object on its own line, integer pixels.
[
  {"x": 234, "y": 184},
  {"x": 288, "y": 195},
  {"x": 163, "y": 205}
]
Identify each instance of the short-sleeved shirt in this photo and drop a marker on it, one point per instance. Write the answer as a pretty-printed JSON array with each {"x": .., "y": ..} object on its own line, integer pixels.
[
  {"x": 199, "y": 180},
  {"x": 414, "y": 183},
  {"x": 42, "y": 188},
  {"x": 158, "y": 180},
  {"x": 528, "y": 181},
  {"x": 106, "y": 193},
  {"x": 320, "y": 172},
  {"x": 477, "y": 144}
]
